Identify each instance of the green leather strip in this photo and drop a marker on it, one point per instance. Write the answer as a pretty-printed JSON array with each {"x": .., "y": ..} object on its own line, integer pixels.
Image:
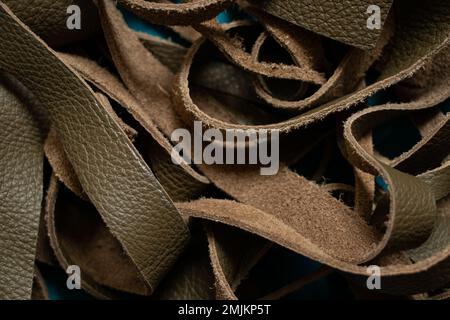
[
  {"x": 118, "y": 182},
  {"x": 21, "y": 178}
]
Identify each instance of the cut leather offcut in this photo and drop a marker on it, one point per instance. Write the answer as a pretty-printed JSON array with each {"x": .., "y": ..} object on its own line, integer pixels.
[{"x": 88, "y": 176}]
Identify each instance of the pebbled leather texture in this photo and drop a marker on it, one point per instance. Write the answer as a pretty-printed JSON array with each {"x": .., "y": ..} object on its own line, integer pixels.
[
  {"x": 341, "y": 20},
  {"x": 48, "y": 19},
  {"x": 86, "y": 129},
  {"x": 21, "y": 183}
]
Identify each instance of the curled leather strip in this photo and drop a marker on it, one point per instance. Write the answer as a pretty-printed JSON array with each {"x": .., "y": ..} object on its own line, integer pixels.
[
  {"x": 231, "y": 264},
  {"x": 438, "y": 93},
  {"x": 398, "y": 279},
  {"x": 176, "y": 14},
  {"x": 234, "y": 50},
  {"x": 64, "y": 236},
  {"x": 48, "y": 19}
]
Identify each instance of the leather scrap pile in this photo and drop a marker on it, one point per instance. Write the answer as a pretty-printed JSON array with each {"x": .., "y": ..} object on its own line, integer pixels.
[{"x": 357, "y": 92}]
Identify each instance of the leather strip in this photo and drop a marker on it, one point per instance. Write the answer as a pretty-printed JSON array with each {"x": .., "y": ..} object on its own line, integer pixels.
[
  {"x": 120, "y": 215},
  {"x": 48, "y": 19},
  {"x": 402, "y": 71},
  {"x": 21, "y": 174},
  {"x": 176, "y": 14},
  {"x": 345, "y": 21},
  {"x": 232, "y": 260},
  {"x": 233, "y": 49}
]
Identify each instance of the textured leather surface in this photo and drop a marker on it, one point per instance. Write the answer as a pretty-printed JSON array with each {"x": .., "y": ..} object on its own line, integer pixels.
[
  {"x": 48, "y": 19},
  {"x": 342, "y": 20},
  {"x": 21, "y": 182},
  {"x": 139, "y": 222},
  {"x": 179, "y": 182}
]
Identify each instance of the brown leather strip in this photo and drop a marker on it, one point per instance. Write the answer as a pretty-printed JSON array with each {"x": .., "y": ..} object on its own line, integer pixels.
[
  {"x": 169, "y": 53},
  {"x": 442, "y": 296},
  {"x": 79, "y": 233},
  {"x": 232, "y": 257},
  {"x": 186, "y": 32},
  {"x": 364, "y": 184},
  {"x": 44, "y": 251},
  {"x": 438, "y": 179},
  {"x": 397, "y": 279},
  {"x": 112, "y": 87},
  {"x": 347, "y": 75},
  {"x": 185, "y": 102},
  {"x": 147, "y": 79},
  {"x": 56, "y": 156},
  {"x": 305, "y": 47},
  {"x": 303, "y": 206},
  {"x": 176, "y": 14},
  {"x": 431, "y": 150},
  {"x": 308, "y": 75},
  {"x": 394, "y": 279},
  {"x": 181, "y": 182},
  {"x": 63, "y": 257},
  {"x": 234, "y": 51}
]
